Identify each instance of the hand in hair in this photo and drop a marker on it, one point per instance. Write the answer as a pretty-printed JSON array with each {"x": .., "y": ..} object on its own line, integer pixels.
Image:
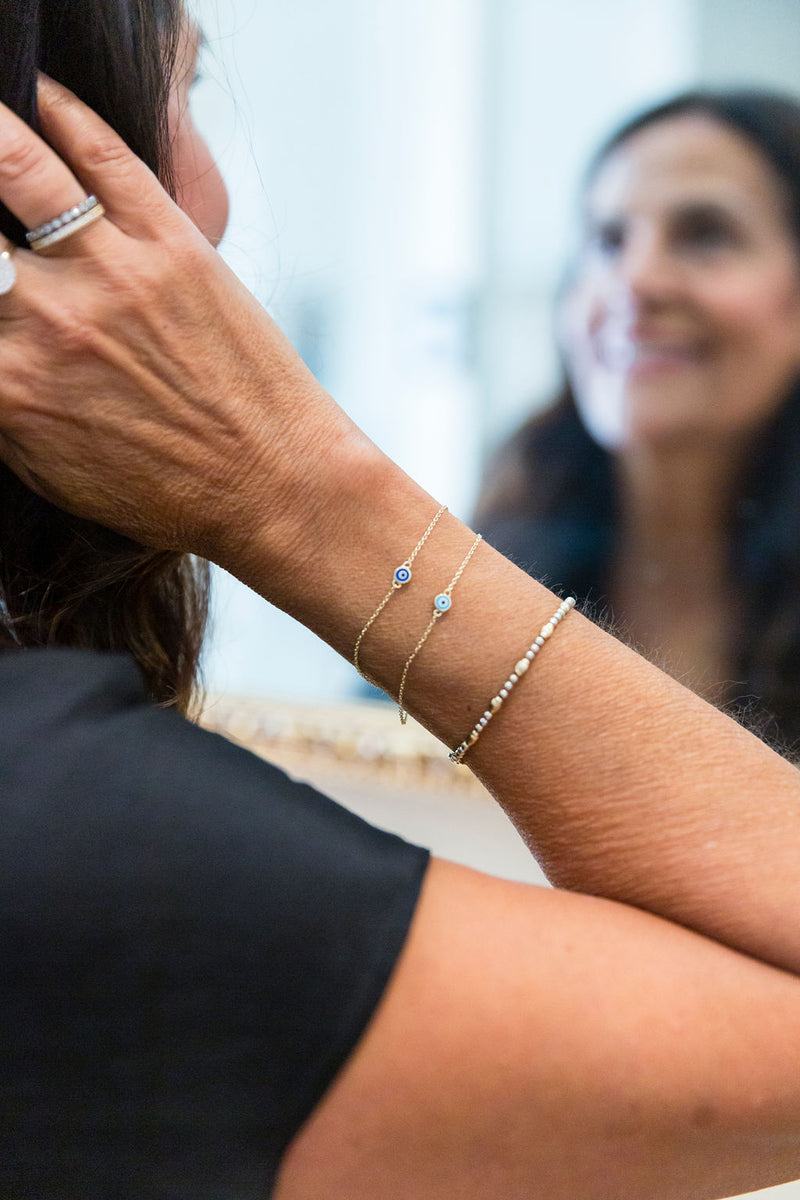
[{"x": 140, "y": 314}]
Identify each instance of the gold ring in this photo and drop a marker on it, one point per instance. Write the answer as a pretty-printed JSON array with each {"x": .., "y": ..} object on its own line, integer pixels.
[{"x": 64, "y": 226}]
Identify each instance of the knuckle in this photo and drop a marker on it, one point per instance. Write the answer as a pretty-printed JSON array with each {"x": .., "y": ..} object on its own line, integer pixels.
[
  {"x": 186, "y": 259},
  {"x": 108, "y": 152},
  {"x": 189, "y": 256},
  {"x": 20, "y": 157},
  {"x": 71, "y": 331},
  {"x": 144, "y": 281},
  {"x": 129, "y": 283}
]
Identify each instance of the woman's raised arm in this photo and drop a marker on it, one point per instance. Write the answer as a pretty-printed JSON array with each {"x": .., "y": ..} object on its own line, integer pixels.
[
  {"x": 531, "y": 1043},
  {"x": 142, "y": 386}
]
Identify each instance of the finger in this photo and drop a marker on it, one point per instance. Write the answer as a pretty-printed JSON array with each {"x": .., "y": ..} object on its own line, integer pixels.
[
  {"x": 34, "y": 183},
  {"x": 128, "y": 189}
]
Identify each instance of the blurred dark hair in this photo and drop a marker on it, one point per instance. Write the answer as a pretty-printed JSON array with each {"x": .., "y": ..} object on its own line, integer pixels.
[
  {"x": 66, "y": 581},
  {"x": 549, "y": 499}
]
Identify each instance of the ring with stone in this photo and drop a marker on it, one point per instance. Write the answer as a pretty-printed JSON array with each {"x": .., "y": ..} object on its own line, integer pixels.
[
  {"x": 8, "y": 272},
  {"x": 65, "y": 224}
]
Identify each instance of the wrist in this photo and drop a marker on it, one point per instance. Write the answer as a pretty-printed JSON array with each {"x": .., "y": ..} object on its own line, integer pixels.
[{"x": 314, "y": 533}]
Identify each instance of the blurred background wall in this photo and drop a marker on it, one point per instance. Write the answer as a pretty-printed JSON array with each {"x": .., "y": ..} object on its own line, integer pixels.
[{"x": 403, "y": 176}]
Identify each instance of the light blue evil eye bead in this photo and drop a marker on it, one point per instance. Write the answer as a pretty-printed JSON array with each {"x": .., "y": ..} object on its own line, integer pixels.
[
  {"x": 442, "y": 602},
  {"x": 402, "y": 575}
]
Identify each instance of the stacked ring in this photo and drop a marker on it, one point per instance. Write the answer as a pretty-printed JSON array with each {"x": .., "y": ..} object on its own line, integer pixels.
[{"x": 64, "y": 225}]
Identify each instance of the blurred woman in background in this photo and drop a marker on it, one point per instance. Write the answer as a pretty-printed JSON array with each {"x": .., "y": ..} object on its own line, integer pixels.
[{"x": 668, "y": 467}]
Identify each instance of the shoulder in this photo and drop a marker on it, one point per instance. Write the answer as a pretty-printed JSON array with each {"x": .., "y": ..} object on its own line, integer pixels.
[
  {"x": 82, "y": 750},
  {"x": 228, "y": 931}
]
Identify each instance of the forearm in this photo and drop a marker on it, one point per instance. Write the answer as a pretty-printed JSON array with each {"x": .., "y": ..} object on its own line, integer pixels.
[
  {"x": 623, "y": 783},
  {"x": 148, "y": 391}
]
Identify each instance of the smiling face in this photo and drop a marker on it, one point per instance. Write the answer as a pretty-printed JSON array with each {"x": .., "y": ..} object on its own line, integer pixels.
[
  {"x": 684, "y": 318},
  {"x": 201, "y": 191}
]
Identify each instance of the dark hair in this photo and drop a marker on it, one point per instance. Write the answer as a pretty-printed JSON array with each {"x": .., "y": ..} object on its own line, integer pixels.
[
  {"x": 549, "y": 499},
  {"x": 65, "y": 581}
]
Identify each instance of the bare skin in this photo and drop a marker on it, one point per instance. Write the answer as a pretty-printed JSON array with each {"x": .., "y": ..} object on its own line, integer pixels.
[
  {"x": 683, "y": 335},
  {"x": 633, "y": 1033}
]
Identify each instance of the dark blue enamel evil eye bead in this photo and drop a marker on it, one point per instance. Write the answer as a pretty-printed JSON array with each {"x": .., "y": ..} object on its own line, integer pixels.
[
  {"x": 442, "y": 602},
  {"x": 402, "y": 575}
]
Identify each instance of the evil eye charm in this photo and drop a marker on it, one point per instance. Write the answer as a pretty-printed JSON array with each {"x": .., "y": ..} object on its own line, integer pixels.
[
  {"x": 442, "y": 602},
  {"x": 402, "y": 575}
]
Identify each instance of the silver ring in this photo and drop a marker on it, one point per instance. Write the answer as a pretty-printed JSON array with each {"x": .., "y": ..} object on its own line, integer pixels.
[
  {"x": 65, "y": 218},
  {"x": 67, "y": 228},
  {"x": 8, "y": 272}
]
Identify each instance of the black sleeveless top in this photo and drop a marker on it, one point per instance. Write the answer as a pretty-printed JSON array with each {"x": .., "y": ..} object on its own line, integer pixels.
[{"x": 190, "y": 943}]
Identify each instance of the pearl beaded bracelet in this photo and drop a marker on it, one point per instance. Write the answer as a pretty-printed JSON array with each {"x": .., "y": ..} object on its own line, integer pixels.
[{"x": 496, "y": 703}]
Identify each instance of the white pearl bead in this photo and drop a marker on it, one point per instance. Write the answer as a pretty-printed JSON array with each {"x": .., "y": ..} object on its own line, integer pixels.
[
  {"x": 530, "y": 655},
  {"x": 507, "y": 686},
  {"x": 512, "y": 679},
  {"x": 522, "y": 666},
  {"x": 473, "y": 737},
  {"x": 498, "y": 700},
  {"x": 547, "y": 630},
  {"x": 503, "y": 693},
  {"x": 539, "y": 641},
  {"x": 487, "y": 716}
]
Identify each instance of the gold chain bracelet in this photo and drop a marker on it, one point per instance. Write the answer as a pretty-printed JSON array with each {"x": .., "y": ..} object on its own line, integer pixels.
[
  {"x": 441, "y": 604},
  {"x": 400, "y": 578}
]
